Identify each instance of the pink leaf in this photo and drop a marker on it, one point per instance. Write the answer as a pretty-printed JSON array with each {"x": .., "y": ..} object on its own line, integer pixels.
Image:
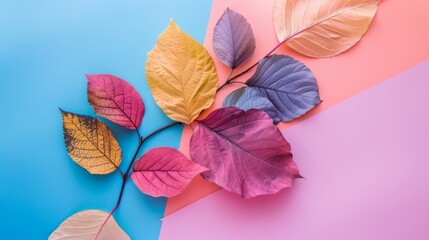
[
  {"x": 164, "y": 172},
  {"x": 115, "y": 99},
  {"x": 245, "y": 152}
]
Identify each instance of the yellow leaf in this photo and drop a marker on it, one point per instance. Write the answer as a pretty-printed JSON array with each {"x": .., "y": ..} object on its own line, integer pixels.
[
  {"x": 181, "y": 75},
  {"x": 90, "y": 143},
  {"x": 322, "y": 28}
]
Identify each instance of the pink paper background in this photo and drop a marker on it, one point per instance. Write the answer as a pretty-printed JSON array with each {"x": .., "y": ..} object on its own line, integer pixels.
[{"x": 365, "y": 164}]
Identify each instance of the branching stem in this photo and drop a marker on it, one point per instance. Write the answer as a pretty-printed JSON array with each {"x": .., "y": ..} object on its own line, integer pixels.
[{"x": 126, "y": 175}]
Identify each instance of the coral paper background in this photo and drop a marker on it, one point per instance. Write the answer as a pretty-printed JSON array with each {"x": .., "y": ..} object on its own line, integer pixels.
[
  {"x": 396, "y": 41},
  {"x": 365, "y": 166}
]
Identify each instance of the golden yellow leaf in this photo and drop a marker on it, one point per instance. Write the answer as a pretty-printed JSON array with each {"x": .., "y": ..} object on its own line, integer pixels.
[
  {"x": 181, "y": 75},
  {"x": 322, "y": 28},
  {"x": 90, "y": 143}
]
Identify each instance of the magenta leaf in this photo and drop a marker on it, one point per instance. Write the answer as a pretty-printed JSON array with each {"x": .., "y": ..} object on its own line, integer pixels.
[
  {"x": 233, "y": 40},
  {"x": 164, "y": 171},
  {"x": 289, "y": 87},
  {"x": 244, "y": 151},
  {"x": 115, "y": 99}
]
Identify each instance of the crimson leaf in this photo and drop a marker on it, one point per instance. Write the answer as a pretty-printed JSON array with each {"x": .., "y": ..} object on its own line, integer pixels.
[
  {"x": 115, "y": 99},
  {"x": 164, "y": 171}
]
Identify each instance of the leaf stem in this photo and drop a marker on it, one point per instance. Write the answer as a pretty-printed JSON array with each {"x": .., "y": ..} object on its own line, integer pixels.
[
  {"x": 124, "y": 180},
  {"x": 238, "y": 82},
  {"x": 160, "y": 129},
  {"x": 133, "y": 159},
  {"x": 227, "y": 81},
  {"x": 120, "y": 172},
  {"x": 138, "y": 134}
]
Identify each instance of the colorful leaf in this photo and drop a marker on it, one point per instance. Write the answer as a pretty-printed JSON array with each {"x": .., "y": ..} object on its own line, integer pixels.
[
  {"x": 246, "y": 98},
  {"x": 164, "y": 171},
  {"x": 181, "y": 75},
  {"x": 233, "y": 40},
  {"x": 245, "y": 152},
  {"x": 89, "y": 225},
  {"x": 288, "y": 86},
  {"x": 322, "y": 28},
  {"x": 90, "y": 143},
  {"x": 115, "y": 99}
]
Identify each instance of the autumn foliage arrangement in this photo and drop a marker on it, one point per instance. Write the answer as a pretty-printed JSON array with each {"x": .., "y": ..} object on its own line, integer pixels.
[{"x": 238, "y": 146}]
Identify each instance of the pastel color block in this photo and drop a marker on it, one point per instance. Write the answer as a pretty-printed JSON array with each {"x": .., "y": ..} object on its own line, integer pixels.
[{"x": 364, "y": 163}]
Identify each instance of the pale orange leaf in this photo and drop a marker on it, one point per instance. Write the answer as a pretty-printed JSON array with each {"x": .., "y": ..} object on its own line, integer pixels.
[{"x": 322, "y": 28}]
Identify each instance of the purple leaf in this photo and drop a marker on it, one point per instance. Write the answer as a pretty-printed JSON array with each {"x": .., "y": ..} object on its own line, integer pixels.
[
  {"x": 245, "y": 152},
  {"x": 233, "y": 40},
  {"x": 286, "y": 83}
]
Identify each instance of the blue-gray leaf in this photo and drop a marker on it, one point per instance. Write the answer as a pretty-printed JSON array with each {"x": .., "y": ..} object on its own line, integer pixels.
[
  {"x": 245, "y": 98},
  {"x": 233, "y": 39},
  {"x": 287, "y": 85}
]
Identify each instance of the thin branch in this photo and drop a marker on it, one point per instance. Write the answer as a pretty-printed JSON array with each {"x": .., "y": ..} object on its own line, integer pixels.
[
  {"x": 227, "y": 81},
  {"x": 126, "y": 175},
  {"x": 142, "y": 140},
  {"x": 138, "y": 134},
  {"x": 124, "y": 180},
  {"x": 160, "y": 129},
  {"x": 238, "y": 82},
  {"x": 133, "y": 159},
  {"x": 119, "y": 171}
]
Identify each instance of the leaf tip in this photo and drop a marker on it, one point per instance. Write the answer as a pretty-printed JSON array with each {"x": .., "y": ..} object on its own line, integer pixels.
[
  {"x": 63, "y": 112},
  {"x": 172, "y": 23},
  {"x": 89, "y": 76}
]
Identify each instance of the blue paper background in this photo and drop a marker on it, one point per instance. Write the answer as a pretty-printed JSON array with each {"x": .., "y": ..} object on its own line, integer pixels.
[{"x": 46, "y": 47}]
